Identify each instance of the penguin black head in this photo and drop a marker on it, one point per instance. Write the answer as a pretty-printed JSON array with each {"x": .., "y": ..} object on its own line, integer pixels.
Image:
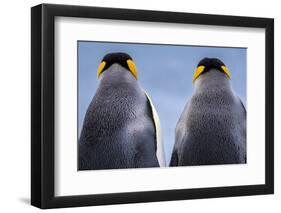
[
  {"x": 120, "y": 58},
  {"x": 210, "y": 63}
]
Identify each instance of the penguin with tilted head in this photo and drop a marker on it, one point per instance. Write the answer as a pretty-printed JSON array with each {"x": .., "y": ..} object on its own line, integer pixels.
[
  {"x": 212, "y": 128},
  {"x": 121, "y": 127}
]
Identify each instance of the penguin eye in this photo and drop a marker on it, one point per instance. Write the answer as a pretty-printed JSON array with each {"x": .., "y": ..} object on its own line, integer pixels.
[
  {"x": 225, "y": 70},
  {"x": 198, "y": 72},
  {"x": 132, "y": 68},
  {"x": 100, "y": 68}
]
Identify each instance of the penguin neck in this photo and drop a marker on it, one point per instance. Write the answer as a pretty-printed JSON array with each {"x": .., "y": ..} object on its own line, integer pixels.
[
  {"x": 212, "y": 79},
  {"x": 117, "y": 75}
]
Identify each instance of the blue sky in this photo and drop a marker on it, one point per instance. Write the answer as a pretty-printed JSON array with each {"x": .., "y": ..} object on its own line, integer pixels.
[{"x": 165, "y": 72}]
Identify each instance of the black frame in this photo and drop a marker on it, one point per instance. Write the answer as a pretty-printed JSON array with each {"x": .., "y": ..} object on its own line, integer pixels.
[{"x": 42, "y": 105}]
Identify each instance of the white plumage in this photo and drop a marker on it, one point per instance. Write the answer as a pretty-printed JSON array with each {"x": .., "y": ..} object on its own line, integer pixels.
[{"x": 159, "y": 143}]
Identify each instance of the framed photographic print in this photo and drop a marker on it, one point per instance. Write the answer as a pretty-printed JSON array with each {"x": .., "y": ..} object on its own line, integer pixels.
[{"x": 139, "y": 106}]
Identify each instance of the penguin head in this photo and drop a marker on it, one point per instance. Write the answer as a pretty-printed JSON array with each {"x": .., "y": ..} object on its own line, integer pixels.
[
  {"x": 206, "y": 64},
  {"x": 123, "y": 59}
]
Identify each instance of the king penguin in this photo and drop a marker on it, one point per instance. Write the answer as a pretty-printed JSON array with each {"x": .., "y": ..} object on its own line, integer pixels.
[
  {"x": 212, "y": 128},
  {"x": 121, "y": 128}
]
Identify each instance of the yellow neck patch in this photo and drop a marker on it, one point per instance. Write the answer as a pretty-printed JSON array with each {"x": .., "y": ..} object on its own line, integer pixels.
[
  {"x": 132, "y": 68},
  {"x": 225, "y": 70},
  {"x": 198, "y": 72},
  {"x": 100, "y": 68}
]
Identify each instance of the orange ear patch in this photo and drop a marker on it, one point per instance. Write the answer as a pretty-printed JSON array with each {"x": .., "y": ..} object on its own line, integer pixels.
[
  {"x": 100, "y": 68},
  {"x": 198, "y": 72}
]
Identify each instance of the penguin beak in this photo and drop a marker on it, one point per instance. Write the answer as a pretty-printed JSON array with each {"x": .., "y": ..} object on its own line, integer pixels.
[
  {"x": 198, "y": 72},
  {"x": 100, "y": 68},
  {"x": 132, "y": 68},
  {"x": 225, "y": 70}
]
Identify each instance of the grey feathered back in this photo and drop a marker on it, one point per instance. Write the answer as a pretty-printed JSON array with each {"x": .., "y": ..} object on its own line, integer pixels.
[
  {"x": 118, "y": 130},
  {"x": 212, "y": 127}
]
